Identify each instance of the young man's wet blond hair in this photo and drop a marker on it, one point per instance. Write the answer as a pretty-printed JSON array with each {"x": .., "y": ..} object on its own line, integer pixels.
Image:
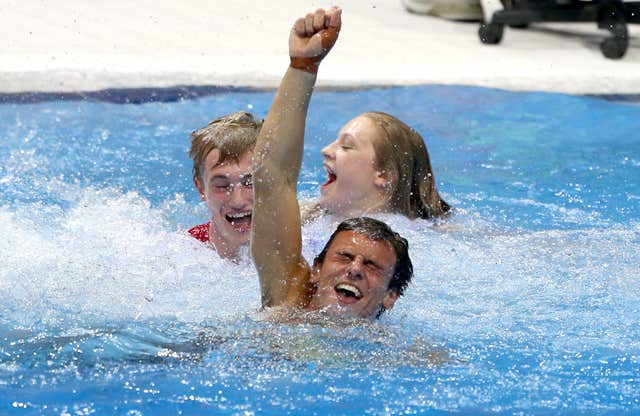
[{"x": 232, "y": 134}]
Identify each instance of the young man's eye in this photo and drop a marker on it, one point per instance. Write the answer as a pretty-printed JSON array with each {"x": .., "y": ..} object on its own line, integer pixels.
[
  {"x": 222, "y": 187},
  {"x": 247, "y": 182}
]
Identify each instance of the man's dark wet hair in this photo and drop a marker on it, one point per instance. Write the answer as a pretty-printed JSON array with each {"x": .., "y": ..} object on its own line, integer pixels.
[{"x": 379, "y": 231}]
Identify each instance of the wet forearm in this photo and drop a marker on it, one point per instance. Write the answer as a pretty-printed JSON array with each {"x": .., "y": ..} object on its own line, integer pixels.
[{"x": 281, "y": 139}]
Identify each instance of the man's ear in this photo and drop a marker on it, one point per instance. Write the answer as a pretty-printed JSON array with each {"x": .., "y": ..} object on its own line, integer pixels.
[
  {"x": 390, "y": 299},
  {"x": 199, "y": 187},
  {"x": 315, "y": 271}
]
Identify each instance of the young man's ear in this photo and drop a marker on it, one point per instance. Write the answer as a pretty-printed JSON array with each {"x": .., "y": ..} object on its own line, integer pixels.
[
  {"x": 199, "y": 187},
  {"x": 390, "y": 299}
]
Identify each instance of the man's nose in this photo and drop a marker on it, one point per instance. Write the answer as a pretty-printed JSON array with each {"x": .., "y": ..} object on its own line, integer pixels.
[
  {"x": 238, "y": 198},
  {"x": 355, "y": 270}
]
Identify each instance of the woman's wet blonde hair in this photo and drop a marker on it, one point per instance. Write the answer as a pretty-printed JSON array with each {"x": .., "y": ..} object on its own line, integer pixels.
[
  {"x": 402, "y": 155},
  {"x": 233, "y": 134}
]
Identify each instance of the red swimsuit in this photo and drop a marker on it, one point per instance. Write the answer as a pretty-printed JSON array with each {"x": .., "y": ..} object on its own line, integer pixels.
[{"x": 201, "y": 232}]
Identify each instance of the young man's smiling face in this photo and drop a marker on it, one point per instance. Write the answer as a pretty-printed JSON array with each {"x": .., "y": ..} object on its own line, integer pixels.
[
  {"x": 353, "y": 279},
  {"x": 227, "y": 188}
]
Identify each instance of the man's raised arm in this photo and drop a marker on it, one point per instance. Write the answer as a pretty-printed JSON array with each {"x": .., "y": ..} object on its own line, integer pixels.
[{"x": 276, "y": 241}]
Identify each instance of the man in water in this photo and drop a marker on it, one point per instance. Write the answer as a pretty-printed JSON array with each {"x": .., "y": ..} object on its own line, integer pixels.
[
  {"x": 221, "y": 154},
  {"x": 365, "y": 266}
]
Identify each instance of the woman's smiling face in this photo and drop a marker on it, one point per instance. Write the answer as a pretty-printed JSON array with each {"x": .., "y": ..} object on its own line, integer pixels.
[{"x": 354, "y": 185}]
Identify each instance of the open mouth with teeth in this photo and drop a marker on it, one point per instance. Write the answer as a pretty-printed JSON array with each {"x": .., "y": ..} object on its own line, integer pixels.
[
  {"x": 331, "y": 177},
  {"x": 347, "y": 294},
  {"x": 240, "y": 221}
]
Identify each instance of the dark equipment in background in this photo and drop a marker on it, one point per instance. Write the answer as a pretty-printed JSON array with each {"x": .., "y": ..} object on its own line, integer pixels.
[{"x": 612, "y": 15}]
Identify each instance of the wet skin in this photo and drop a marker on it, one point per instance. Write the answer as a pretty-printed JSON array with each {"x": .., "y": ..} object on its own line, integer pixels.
[
  {"x": 353, "y": 279},
  {"x": 354, "y": 184},
  {"x": 227, "y": 189}
]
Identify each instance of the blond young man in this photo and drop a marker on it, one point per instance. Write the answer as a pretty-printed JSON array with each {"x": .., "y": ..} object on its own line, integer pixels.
[{"x": 222, "y": 155}]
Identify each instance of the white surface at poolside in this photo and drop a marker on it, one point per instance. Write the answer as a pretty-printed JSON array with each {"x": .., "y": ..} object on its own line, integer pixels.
[{"x": 80, "y": 45}]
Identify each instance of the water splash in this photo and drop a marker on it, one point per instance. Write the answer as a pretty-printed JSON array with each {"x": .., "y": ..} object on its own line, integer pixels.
[{"x": 530, "y": 289}]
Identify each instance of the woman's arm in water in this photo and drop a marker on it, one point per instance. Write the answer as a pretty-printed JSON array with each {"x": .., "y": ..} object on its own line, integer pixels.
[{"x": 276, "y": 241}]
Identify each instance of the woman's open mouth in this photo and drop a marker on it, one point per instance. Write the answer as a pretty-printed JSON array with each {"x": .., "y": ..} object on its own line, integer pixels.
[{"x": 331, "y": 177}]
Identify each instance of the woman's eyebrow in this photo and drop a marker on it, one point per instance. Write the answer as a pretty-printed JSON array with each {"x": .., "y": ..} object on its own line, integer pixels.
[{"x": 346, "y": 137}]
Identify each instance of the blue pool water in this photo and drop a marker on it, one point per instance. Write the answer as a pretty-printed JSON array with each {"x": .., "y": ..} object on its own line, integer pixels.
[{"x": 525, "y": 302}]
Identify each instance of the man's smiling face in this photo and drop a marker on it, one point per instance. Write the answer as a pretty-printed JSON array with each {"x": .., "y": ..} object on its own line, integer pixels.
[
  {"x": 227, "y": 188},
  {"x": 353, "y": 279}
]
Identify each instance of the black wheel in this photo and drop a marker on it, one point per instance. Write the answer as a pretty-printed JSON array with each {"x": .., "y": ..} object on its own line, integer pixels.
[
  {"x": 614, "y": 48},
  {"x": 612, "y": 18},
  {"x": 490, "y": 33}
]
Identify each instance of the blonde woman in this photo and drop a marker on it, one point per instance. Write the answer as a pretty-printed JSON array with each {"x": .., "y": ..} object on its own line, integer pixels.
[{"x": 378, "y": 164}]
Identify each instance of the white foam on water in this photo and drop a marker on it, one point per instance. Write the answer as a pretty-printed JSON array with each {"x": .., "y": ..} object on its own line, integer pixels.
[
  {"x": 574, "y": 288},
  {"x": 111, "y": 256},
  {"x": 110, "y": 273}
]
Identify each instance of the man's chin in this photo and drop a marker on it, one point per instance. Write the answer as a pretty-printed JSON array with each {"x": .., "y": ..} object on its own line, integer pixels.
[
  {"x": 340, "y": 311},
  {"x": 240, "y": 229}
]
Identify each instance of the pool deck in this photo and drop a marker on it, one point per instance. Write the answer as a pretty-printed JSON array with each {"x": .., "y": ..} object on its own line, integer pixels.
[{"x": 80, "y": 45}]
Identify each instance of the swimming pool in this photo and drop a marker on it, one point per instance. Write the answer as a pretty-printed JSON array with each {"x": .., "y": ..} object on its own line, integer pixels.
[{"x": 525, "y": 302}]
